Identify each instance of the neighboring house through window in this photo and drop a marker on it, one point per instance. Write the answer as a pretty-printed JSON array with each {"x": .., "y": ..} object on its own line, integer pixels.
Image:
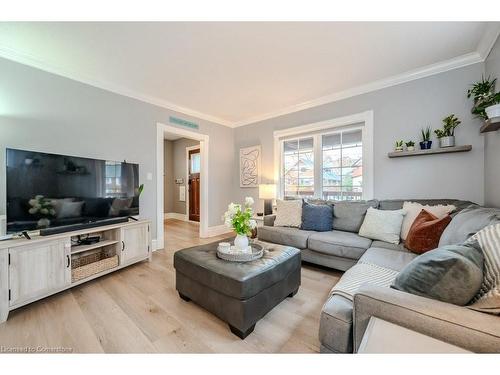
[{"x": 327, "y": 160}]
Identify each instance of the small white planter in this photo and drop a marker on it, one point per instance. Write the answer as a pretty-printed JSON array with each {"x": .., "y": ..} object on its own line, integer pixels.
[
  {"x": 447, "y": 141},
  {"x": 493, "y": 111},
  {"x": 398, "y": 149},
  {"x": 410, "y": 148}
]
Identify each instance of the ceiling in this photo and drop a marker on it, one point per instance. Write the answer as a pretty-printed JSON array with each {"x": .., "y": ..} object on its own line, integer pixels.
[{"x": 236, "y": 73}]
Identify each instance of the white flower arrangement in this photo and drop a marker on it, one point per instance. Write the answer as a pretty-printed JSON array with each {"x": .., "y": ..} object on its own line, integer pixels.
[
  {"x": 41, "y": 206},
  {"x": 240, "y": 219}
]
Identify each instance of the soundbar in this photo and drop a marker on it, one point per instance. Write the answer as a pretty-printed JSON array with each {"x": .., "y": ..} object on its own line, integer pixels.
[{"x": 80, "y": 226}]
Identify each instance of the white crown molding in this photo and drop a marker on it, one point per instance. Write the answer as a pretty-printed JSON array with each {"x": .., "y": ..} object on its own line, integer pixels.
[
  {"x": 25, "y": 59},
  {"x": 488, "y": 40},
  {"x": 441, "y": 67},
  {"x": 484, "y": 47}
]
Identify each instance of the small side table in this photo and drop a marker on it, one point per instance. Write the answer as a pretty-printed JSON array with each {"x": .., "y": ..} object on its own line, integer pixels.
[{"x": 384, "y": 337}]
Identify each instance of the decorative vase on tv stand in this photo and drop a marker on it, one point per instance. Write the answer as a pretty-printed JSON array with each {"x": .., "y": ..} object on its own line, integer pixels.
[
  {"x": 239, "y": 219},
  {"x": 43, "y": 209}
]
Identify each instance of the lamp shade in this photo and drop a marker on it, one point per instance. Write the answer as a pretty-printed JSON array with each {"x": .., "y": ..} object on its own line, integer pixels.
[{"x": 267, "y": 191}]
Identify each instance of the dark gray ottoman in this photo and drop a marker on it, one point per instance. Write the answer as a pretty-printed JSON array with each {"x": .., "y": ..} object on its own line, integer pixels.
[{"x": 238, "y": 293}]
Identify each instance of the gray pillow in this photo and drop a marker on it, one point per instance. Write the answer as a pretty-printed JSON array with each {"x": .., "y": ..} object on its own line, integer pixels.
[
  {"x": 467, "y": 223},
  {"x": 348, "y": 216},
  {"x": 450, "y": 274}
]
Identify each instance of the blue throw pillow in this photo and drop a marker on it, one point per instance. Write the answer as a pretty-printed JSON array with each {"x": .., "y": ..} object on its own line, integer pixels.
[{"x": 318, "y": 217}]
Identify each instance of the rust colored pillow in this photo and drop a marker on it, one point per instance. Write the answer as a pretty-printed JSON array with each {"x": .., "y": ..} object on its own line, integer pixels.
[{"x": 425, "y": 232}]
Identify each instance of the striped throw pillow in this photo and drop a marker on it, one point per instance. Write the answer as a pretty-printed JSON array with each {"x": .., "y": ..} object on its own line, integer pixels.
[{"x": 488, "y": 297}]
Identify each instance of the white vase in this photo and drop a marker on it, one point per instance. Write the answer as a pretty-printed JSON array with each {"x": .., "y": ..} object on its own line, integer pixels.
[
  {"x": 43, "y": 222},
  {"x": 241, "y": 242}
]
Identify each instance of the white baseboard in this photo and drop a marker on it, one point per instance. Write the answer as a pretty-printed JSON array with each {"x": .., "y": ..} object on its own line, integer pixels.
[
  {"x": 177, "y": 216},
  {"x": 154, "y": 244},
  {"x": 217, "y": 231}
]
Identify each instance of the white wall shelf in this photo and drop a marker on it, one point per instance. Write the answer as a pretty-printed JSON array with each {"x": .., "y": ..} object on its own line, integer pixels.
[{"x": 444, "y": 150}]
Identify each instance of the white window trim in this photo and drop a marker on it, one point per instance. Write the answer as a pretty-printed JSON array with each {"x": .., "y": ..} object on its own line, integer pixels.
[{"x": 364, "y": 118}]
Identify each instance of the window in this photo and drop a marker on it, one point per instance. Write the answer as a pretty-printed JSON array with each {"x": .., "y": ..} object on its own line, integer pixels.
[
  {"x": 195, "y": 163},
  {"x": 328, "y": 164},
  {"x": 298, "y": 167},
  {"x": 342, "y": 168}
]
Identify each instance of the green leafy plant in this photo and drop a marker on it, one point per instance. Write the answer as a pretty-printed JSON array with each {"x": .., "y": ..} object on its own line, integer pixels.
[
  {"x": 450, "y": 123},
  {"x": 239, "y": 218},
  {"x": 426, "y": 134},
  {"x": 410, "y": 144},
  {"x": 399, "y": 144},
  {"x": 140, "y": 189},
  {"x": 484, "y": 96}
]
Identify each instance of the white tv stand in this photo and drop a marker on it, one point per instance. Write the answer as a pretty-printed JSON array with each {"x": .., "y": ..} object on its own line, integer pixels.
[{"x": 34, "y": 269}]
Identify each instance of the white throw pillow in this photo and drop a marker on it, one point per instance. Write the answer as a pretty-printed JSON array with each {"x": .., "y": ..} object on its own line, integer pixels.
[
  {"x": 70, "y": 209},
  {"x": 383, "y": 225},
  {"x": 288, "y": 213},
  {"x": 412, "y": 209}
]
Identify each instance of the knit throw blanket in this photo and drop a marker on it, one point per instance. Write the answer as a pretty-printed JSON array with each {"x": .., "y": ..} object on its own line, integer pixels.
[{"x": 360, "y": 274}]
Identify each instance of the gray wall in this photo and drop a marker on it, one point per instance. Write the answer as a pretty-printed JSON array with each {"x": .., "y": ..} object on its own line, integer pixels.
[
  {"x": 44, "y": 112},
  {"x": 399, "y": 113},
  {"x": 168, "y": 174},
  {"x": 492, "y": 140}
]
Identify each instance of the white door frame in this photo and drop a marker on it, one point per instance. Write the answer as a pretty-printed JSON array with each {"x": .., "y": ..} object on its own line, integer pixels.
[
  {"x": 189, "y": 148},
  {"x": 161, "y": 129}
]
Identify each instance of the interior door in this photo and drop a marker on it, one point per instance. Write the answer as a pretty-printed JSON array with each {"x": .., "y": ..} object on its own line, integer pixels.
[
  {"x": 194, "y": 184},
  {"x": 39, "y": 269}
]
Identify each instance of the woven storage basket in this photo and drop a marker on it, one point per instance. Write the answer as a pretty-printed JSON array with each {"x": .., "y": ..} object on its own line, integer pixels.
[{"x": 91, "y": 264}]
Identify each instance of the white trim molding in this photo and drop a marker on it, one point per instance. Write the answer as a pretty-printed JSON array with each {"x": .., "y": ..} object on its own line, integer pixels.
[
  {"x": 27, "y": 59},
  {"x": 161, "y": 129},
  {"x": 154, "y": 245},
  {"x": 441, "y": 67},
  {"x": 483, "y": 49},
  {"x": 488, "y": 40},
  {"x": 176, "y": 216},
  {"x": 364, "y": 120}
]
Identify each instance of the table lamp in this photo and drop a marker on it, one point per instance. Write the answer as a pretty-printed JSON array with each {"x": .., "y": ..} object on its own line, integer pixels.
[{"x": 268, "y": 193}]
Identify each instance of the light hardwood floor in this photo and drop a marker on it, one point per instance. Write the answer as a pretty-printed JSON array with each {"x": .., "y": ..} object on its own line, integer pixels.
[{"x": 137, "y": 310}]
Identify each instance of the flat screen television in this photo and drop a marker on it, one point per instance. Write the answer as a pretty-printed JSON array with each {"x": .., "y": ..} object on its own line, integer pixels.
[{"x": 50, "y": 191}]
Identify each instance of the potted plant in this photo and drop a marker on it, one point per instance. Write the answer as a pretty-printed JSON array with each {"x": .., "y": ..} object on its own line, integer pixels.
[
  {"x": 426, "y": 142},
  {"x": 399, "y": 146},
  {"x": 446, "y": 135},
  {"x": 239, "y": 219},
  {"x": 486, "y": 101},
  {"x": 410, "y": 146}
]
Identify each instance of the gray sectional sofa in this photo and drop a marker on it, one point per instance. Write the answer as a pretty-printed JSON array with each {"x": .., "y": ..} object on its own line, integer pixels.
[{"x": 343, "y": 322}]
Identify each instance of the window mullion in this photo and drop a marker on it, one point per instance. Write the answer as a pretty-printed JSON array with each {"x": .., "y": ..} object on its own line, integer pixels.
[{"x": 318, "y": 165}]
